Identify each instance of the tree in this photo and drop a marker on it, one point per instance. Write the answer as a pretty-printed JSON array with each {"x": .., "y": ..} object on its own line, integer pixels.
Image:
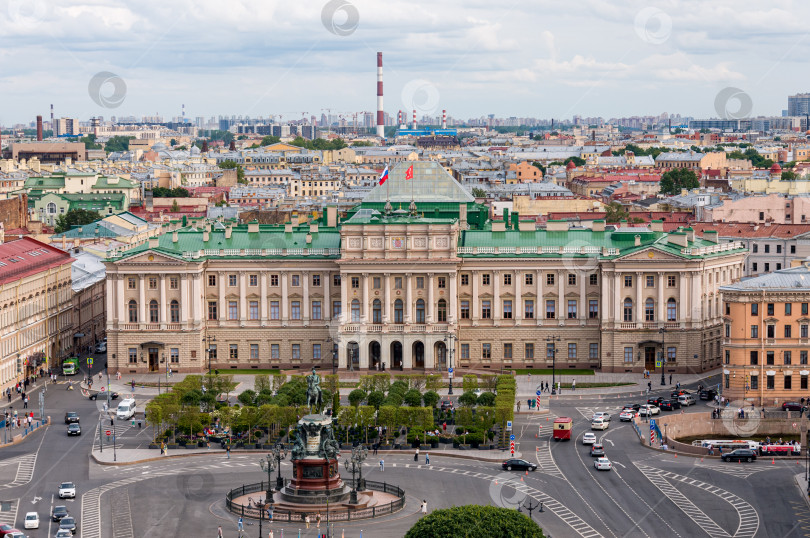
[
  {"x": 788, "y": 175},
  {"x": 365, "y": 418},
  {"x": 489, "y": 382},
  {"x": 540, "y": 166},
  {"x": 269, "y": 140},
  {"x": 469, "y": 382},
  {"x": 468, "y": 399},
  {"x": 475, "y": 521},
  {"x": 89, "y": 142},
  {"x": 486, "y": 399},
  {"x": 173, "y": 142},
  {"x": 387, "y": 416},
  {"x": 118, "y": 143},
  {"x": 413, "y": 398},
  {"x": 479, "y": 192},
  {"x": 175, "y": 206},
  {"x": 163, "y": 192},
  {"x": 375, "y": 399},
  {"x": 357, "y": 396},
  {"x": 578, "y": 161},
  {"x": 247, "y": 397},
  {"x": 431, "y": 398},
  {"x": 361, "y": 144},
  {"x": 615, "y": 212},
  {"x": 678, "y": 178},
  {"x": 75, "y": 217}
]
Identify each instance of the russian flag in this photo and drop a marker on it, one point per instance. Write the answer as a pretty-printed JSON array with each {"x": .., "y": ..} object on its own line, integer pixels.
[{"x": 383, "y": 176}]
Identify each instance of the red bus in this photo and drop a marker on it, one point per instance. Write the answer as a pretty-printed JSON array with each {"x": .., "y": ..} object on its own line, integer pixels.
[{"x": 562, "y": 428}]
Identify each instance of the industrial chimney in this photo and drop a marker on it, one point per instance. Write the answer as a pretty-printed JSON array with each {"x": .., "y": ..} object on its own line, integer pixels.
[
  {"x": 444, "y": 119},
  {"x": 380, "y": 113},
  {"x": 414, "y": 119},
  {"x": 39, "y": 128}
]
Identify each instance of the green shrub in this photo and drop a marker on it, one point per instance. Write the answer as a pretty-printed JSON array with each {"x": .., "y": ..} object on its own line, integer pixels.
[
  {"x": 413, "y": 398},
  {"x": 475, "y": 521}
]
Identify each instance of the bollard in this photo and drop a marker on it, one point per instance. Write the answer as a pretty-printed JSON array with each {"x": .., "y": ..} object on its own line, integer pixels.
[{"x": 541, "y": 507}]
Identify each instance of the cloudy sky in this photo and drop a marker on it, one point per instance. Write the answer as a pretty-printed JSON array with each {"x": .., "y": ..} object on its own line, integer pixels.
[{"x": 538, "y": 58}]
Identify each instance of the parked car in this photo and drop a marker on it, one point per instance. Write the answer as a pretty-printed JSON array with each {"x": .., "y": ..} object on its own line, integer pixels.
[
  {"x": 16, "y": 534},
  {"x": 741, "y": 454},
  {"x": 604, "y": 415},
  {"x": 602, "y": 464},
  {"x": 67, "y": 490},
  {"x": 588, "y": 438},
  {"x": 59, "y": 512},
  {"x": 31, "y": 520},
  {"x": 74, "y": 429},
  {"x": 708, "y": 394},
  {"x": 648, "y": 410},
  {"x": 670, "y": 405},
  {"x": 599, "y": 424},
  {"x": 627, "y": 415},
  {"x": 519, "y": 465},
  {"x": 7, "y": 529},
  {"x": 792, "y": 406},
  {"x": 68, "y": 523},
  {"x": 71, "y": 417},
  {"x": 597, "y": 450}
]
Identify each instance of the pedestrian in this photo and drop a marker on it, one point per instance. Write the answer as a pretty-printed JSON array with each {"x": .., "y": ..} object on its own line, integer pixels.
[
  {"x": 240, "y": 525},
  {"x": 444, "y": 426},
  {"x": 416, "y": 455},
  {"x": 649, "y": 386},
  {"x": 25, "y": 403},
  {"x": 382, "y": 465},
  {"x": 306, "y": 520},
  {"x": 518, "y": 406},
  {"x": 374, "y": 446},
  {"x": 132, "y": 383},
  {"x": 228, "y": 451},
  {"x": 670, "y": 379},
  {"x": 271, "y": 534},
  {"x": 219, "y": 531},
  {"x": 678, "y": 385},
  {"x": 427, "y": 458},
  {"x": 99, "y": 376},
  {"x": 318, "y": 520},
  {"x": 574, "y": 384},
  {"x": 424, "y": 506}
]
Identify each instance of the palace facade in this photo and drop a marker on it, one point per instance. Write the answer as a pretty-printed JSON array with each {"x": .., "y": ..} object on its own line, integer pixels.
[{"x": 418, "y": 277}]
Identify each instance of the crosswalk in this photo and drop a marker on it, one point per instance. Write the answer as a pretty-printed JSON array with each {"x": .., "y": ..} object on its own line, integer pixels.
[
  {"x": 8, "y": 511},
  {"x": 121, "y": 514},
  {"x": 545, "y": 460},
  {"x": 748, "y": 516},
  {"x": 25, "y": 470}
]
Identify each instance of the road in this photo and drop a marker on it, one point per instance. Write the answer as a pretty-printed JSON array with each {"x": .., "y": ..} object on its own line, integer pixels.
[{"x": 647, "y": 494}]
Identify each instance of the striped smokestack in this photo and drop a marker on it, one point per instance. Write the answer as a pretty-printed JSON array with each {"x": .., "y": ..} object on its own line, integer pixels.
[
  {"x": 444, "y": 119},
  {"x": 39, "y": 128},
  {"x": 414, "y": 119},
  {"x": 380, "y": 113}
]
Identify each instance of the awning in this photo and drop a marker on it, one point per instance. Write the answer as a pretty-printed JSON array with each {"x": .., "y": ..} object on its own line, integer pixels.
[
  {"x": 78, "y": 335},
  {"x": 147, "y": 344}
]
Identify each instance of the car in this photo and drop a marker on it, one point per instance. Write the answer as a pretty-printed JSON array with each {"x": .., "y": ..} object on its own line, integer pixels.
[
  {"x": 627, "y": 415},
  {"x": 67, "y": 490},
  {"x": 687, "y": 400},
  {"x": 31, "y": 520},
  {"x": 59, "y": 512},
  {"x": 675, "y": 393},
  {"x": 63, "y": 533},
  {"x": 708, "y": 394},
  {"x": 597, "y": 449},
  {"x": 648, "y": 410},
  {"x": 68, "y": 523},
  {"x": 792, "y": 406},
  {"x": 604, "y": 415},
  {"x": 741, "y": 454},
  {"x": 599, "y": 424},
  {"x": 447, "y": 405},
  {"x": 71, "y": 417},
  {"x": 670, "y": 405},
  {"x": 6, "y": 529},
  {"x": 101, "y": 347},
  {"x": 655, "y": 401},
  {"x": 589, "y": 438},
  {"x": 520, "y": 465},
  {"x": 634, "y": 407},
  {"x": 16, "y": 534},
  {"x": 113, "y": 395},
  {"x": 74, "y": 429},
  {"x": 602, "y": 464}
]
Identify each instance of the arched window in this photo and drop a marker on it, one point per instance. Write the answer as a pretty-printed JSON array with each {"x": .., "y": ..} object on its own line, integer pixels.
[
  {"x": 672, "y": 310},
  {"x": 51, "y": 208},
  {"x": 133, "y": 311},
  {"x": 628, "y": 310},
  {"x": 398, "y": 317},
  {"x": 355, "y": 310},
  {"x": 420, "y": 311},
  {"x": 174, "y": 309},
  {"x": 649, "y": 310},
  {"x": 154, "y": 317},
  {"x": 441, "y": 311},
  {"x": 376, "y": 311}
]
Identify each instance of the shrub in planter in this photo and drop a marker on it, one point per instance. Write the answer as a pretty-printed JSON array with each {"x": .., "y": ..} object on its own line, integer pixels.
[
  {"x": 172, "y": 446},
  {"x": 464, "y": 447},
  {"x": 446, "y": 438},
  {"x": 202, "y": 444},
  {"x": 154, "y": 445}
]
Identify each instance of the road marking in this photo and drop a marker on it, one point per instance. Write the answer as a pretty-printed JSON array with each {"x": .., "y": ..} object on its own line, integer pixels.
[
  {"x": 36, "y": 499},
  {"x": 9, "y": 517},
  {"x": 121, "y": 514},
  {"x": 545, "y": 460},
  {"x": 25, "y": 470},
  {"x": 749, "y": 518},
  {"x": 619, "y": 464}
]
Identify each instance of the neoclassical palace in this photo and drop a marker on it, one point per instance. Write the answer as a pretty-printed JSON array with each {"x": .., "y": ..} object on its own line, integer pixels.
[{"x": 418, "y": 277}]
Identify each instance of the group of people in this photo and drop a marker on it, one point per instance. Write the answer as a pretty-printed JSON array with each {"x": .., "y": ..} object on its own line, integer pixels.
[{"x": 14, "y": 420}]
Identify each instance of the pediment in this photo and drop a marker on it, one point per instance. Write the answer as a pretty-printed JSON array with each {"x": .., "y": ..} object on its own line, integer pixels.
[
  {"x": 650, "y": 254},
  {"x": 150, "y": 257}
]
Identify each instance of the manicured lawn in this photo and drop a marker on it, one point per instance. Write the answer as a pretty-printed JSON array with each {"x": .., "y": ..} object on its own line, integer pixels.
[
  {"x": 560, "y": 371},
  {"x": 248, "y": 371}
]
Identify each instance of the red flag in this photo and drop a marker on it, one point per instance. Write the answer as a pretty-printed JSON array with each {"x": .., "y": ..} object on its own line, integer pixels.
[{"x": 409, "y": 173}]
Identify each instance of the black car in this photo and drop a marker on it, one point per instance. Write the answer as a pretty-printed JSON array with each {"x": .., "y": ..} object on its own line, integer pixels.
[
  {"x": 446, "y": 405},
  {"x": 69, "y": 523},
  {"x": 597, "y": 450},
  {"x": 74, "y": 429},
  {"x": 635, "y": 407},
  {"x": 59, "y": 512},
  {"x": 741, "y": 454},
  {"x": 792, "y": 406},
  {"x": 519, "y": 465},
  {"x": 113, "y": 396},
  {"x": 708, "y": 394},
  {"x": 656, "y": 401},
  {"x": 71, "y": 417},
  {"x": 670, "y": 405}
]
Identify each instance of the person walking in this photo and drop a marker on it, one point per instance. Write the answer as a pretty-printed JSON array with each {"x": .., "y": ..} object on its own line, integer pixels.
[
  {"x": 270, "y": 535},
  {"x": 382, "y": 465},
  {"x": 416, "y": 455},
  {"x": 25, "y": 402},
  {"x": 132, "y": 384},
  {"x": 649, "y": 386},
  {"x": 574, "y": 384},
  {"x": 424, "y": 506},
  {"x": 240, "y": 525},
  {"x": 670, "y": 379},
  {"x": 228, "y": 451},
  {"x": 219, "y": 531},
  {"x": 307, "y": 520},
  {"x": 427, "y": 458},
  {"x": 318, "y": 520}
]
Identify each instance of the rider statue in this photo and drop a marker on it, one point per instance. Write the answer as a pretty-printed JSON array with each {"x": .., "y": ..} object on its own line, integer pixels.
[{"x": 314, "y": 394}]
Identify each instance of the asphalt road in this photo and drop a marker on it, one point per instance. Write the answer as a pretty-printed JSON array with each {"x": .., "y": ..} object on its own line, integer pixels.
[{"x": 648, "y": 493}]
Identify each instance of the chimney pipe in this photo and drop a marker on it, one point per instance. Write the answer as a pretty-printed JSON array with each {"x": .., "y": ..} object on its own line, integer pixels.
[
  {"x": 444, "y": 119},
  {"x": 414, "y": 119},
  {"x": 39, "y": 128},
  {"x": 380, "y": 113}
]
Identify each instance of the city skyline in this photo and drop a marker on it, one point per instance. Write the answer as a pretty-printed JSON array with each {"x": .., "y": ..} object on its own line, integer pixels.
[{"x": 257, "y": 59}]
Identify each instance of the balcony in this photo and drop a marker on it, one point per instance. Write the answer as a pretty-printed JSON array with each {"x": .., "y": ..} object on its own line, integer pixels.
[
  {"x": 129, "y": 326},
  {"x": 627, "y": 325},
  {"x": 174, "y": 327}
]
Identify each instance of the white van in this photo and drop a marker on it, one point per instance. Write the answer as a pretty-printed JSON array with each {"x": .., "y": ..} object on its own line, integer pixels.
[
  {"x": 686, "y": 399},
  {"x": 126, "y": 409}
]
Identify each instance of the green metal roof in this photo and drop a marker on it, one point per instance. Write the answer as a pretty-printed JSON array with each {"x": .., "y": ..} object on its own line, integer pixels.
[
  {"x": 104, "y": 183},
  {"x": 45, "y": 183}
]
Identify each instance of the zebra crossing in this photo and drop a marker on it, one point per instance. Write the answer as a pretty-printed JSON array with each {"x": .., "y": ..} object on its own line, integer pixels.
[
  {"x": 25, "y": 470},
  {"x": 545, "y": 461},
  {"x": 740, "y": 471},
  {"x": 588, "y": 412},
  {"x": 121, "y": 514},
  {"x": 8, "y": 511},
  {"x": 749, "y": 518}
]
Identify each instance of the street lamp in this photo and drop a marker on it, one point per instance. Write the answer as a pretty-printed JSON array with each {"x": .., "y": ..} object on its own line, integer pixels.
[
  {"x": 353, "y": 465},
  {"x": 663, "y": 332},
  {"x": 530, "y": 507},
  {"x": 208, "y": 339},
  {"x": 553, "y": 339},
  {"x": 449, "y": 341},
  {"x": 268, "y": 465},
  {"x": 334, "y": 354},
  {"x": 279, "y": 453}
]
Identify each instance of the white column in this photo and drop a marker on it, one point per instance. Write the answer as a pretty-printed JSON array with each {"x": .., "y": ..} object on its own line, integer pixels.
[
  {"x": 285, "y": 308},
  {"x": 618, "y": 297},
  {"x": 639, "y": 307},
  {"x": 305, "y": 301},
  {"x": 344, "y": 306},
  {"x": 453, "y": 299},
  {"x": 540, "y": 303},
  {"x": 196, "y": 298},
  {"x": 661, "y": 307},
  {"x": 243, "y": 313},
  {"x": 326, "y": 306},
  {"x": 185, "y": 304},
  {"x": 164, "y": 319},
  {"x": 408, "y": 299},
  {"x": 387, "y": 302},
  {"x": 263, "y": 291},
  {"x": 561, "y": 306},
  {"x": 119, "y": 297},
  {"x": 142, "y": 299},
  {"x": 474, "y": 302},
  {"x": 364, "y": 301},
  {"x": 582, "y": 313},
  {"x": 517, "y": 308},
  {"x": 497, "y": 312},
  {"x": 223, "y": 304},
  {"x": 429, "y": 305}
]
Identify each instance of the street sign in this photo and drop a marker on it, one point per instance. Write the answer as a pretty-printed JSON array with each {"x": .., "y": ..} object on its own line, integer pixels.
[
  {"x": 652, "y": 423},
  {"x": 108, "y": 432},
  {"x": 538, "y": 402},
  {"x": 538, "y": 393},
  {"x": 511, "y": 437},
  {"x": 658, "y": 364},
  {"x": 450, "y": 370},
  {"x": 509, "y": 425}
]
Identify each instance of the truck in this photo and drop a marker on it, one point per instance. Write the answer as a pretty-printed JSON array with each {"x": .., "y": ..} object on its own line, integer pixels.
[{"x": 70, "y": 366}]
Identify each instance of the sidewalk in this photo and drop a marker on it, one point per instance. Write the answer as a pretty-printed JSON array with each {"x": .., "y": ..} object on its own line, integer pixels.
[{"x": 804, "y": 487}]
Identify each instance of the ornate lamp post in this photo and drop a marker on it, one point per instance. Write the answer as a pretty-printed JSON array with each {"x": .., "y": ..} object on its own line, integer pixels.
[
  {"x": 268, "y": 465},
  {"x": 449, "y": 341},
  {"x": 553, "y": 340},
  {"x": 354, "y": 465},
  {"x": 278, "y": 453},
  {"x": 530, "y": 507},
  {"x": 663, "y": 332}
]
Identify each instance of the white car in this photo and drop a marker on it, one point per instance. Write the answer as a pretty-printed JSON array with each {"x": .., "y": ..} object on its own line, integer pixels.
[
  {"x": 647, "y": 410},
  {"x": 602, "y": 464},
  {"x": 604, "y": 415},
  {"x": 599, "y": 424},
  {"x": 67, "y": 490},
  {"x": 63, "y": 533},
  {"x": 627, "y": 415},
  {"x": 589, "y": 438},
  {"x": 31, "y": 520}
]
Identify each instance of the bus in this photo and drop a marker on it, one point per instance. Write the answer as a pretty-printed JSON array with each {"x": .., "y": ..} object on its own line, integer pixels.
[
  {"x": 727, "y": 444},
  {"x": 70, "y": 366}
]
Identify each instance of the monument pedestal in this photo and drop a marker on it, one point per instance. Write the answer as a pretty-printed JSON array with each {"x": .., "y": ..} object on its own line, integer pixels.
[{"x": 315, "y": 481}]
